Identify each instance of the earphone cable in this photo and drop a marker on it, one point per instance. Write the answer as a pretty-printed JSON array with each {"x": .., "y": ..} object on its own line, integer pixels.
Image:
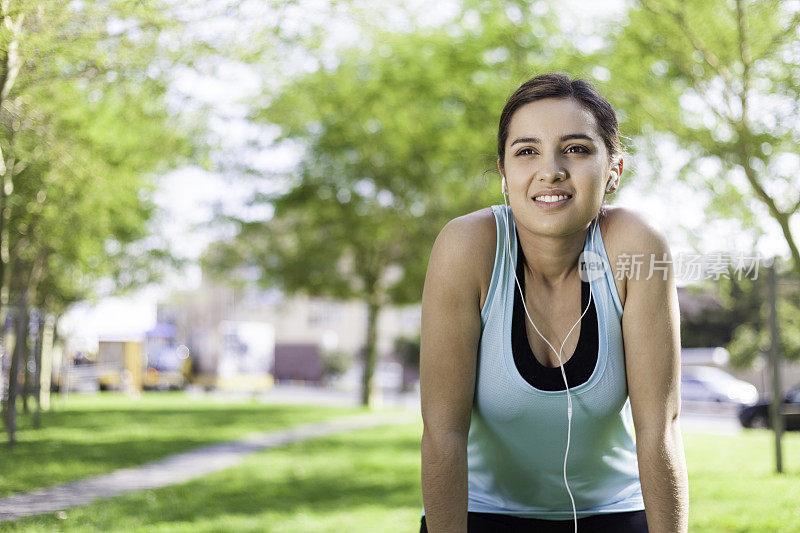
[{"x": 506, "y": 207}]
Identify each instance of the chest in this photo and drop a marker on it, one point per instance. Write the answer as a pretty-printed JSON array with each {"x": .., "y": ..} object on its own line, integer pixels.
[{"x": 559, "y": 319}]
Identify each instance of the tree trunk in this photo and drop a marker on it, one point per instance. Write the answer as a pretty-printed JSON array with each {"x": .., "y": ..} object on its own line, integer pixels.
[
  {"x": 16, "y": 358},
  {"x": 27, "y": 377},
  {"x": 37, "y": 376},
  {"x": 48, "y": 343},
  {"x": 370, "y": 349},
  {"x": 31, "y": 370}
]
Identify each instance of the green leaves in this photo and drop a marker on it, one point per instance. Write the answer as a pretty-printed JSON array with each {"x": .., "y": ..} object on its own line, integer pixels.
[
  {"x": 84, "y": 130},
  {"x": 715, "y": 77},
  {"x": 397, "y": 135}
]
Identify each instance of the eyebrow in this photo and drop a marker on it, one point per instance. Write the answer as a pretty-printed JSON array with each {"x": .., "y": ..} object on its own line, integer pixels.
[{"x": 536, "y": 140}]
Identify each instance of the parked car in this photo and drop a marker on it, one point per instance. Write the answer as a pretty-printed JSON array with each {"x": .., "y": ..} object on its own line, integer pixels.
[
  {"x": 757, "y": 415},
  {"x": 710, "y": 384}
]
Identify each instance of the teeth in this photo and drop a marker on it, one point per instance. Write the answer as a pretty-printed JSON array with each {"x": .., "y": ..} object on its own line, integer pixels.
[{"x": 552, "y": 198}]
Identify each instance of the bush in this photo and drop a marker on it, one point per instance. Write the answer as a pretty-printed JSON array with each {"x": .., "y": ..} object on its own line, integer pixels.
[{"x": 335, "y": 364}]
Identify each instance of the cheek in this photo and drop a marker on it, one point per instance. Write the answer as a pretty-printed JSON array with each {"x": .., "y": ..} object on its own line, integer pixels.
[{"x": 593, "y": 165}]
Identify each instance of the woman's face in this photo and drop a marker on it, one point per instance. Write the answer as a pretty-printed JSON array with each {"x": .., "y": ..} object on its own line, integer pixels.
[{"x": 554, "y": 144}]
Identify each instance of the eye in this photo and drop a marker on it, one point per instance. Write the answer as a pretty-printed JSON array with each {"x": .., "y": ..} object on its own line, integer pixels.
[
  {"x": 582, "y": 150},
  {"x": 525, "y": 151}
]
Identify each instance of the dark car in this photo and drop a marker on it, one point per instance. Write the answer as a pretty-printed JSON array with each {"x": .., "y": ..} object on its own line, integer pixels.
[{"x": 757, "y": 415}]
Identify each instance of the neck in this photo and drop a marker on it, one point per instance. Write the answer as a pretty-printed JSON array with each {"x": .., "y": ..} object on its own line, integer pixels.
[{"x": 551, "y": 261}]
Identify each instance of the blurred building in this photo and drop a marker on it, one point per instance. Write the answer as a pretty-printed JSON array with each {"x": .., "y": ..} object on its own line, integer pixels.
[{"x": 304, "y": 330}]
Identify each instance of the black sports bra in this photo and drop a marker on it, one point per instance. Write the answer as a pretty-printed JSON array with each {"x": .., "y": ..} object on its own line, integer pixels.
[{"x": 578, "y": 368}]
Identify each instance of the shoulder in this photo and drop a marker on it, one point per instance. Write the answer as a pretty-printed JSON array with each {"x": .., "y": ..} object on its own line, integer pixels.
[
  {"x": 464, "y": 251},
  {"x": 463, "y": 236},
  {"x": 467, "y": 237},
  {"x": 631, "y": 241},
  {"x": 632, "y": 232}
]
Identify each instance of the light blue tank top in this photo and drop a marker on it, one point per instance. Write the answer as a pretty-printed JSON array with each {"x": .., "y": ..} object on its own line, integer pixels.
[{"x": 518, "y": 433}]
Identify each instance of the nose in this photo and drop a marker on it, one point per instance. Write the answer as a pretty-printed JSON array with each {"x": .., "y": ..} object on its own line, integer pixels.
[{"x": 552, "y": 170}]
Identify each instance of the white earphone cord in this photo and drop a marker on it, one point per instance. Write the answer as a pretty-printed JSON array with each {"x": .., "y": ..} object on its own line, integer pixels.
[{"x": 558, "y": 353}]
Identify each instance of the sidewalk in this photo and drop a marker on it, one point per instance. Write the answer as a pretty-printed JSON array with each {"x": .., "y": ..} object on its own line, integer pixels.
[{"x": 177, "y": 468}]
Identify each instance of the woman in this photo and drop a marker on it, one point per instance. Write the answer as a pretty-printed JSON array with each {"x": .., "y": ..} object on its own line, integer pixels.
[{"x": 533, "y": 380}]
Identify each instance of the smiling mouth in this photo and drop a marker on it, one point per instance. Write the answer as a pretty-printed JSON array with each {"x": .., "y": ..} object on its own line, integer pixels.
[{"x": 551, "y": 201}]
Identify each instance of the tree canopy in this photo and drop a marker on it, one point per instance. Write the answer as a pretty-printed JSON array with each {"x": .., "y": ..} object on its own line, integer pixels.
[{"x": 720, "y": 80}]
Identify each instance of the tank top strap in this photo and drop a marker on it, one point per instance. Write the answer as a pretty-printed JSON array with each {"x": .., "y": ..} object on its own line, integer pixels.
[{"x": 504, "y": 225}]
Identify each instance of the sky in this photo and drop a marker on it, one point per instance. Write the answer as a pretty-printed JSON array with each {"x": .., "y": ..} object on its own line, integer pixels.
[{"x": 188, "y": 195}]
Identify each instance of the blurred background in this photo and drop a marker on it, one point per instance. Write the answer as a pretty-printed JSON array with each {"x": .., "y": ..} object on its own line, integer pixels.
[{"x": 237, "y": 199}]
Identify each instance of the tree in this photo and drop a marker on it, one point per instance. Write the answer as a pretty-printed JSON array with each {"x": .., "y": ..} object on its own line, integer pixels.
[
  {"x": 84, "y": 129},
  {"x": 721, "y": 80},
  {"x": 396, "y": 136}
]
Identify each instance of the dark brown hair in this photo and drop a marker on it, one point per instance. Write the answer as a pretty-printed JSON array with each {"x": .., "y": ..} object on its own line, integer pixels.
[{"x": 557, "y": 85}]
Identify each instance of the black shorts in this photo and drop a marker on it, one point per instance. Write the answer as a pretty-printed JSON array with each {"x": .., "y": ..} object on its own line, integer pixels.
[{"x": 628, "y": 522}]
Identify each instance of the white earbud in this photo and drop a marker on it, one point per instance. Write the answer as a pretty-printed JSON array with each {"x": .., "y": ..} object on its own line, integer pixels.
[
  {"x": 503, "y": 186},
  {"x": 611, "y": 183}
]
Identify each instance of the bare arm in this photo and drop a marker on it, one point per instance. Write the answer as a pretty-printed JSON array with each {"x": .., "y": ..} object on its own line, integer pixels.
[
  {"x": 651, "y": 335},
  {"x": 449, "y": 344}
]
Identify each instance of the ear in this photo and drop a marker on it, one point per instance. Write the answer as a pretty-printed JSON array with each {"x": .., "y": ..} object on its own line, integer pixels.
[
  {"x": 615, "y": 172},
  {"x": 500, "y": 167},
  {"x": 618, "y": 167}
]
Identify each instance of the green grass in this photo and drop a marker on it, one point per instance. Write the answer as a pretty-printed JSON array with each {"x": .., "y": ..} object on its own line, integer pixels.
[
  {"x": 365, "y": 480},
  {"x": 733, "y": 486},
  {"x": 98, "y": 433},
  {"x": 368, "y": 480}
]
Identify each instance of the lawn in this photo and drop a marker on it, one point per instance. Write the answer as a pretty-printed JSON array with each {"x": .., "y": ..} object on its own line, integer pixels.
[
  {"x": 90, "y": 434},
  {"x": 368, "y": 480},
  {"x": 733, "y": 486}
]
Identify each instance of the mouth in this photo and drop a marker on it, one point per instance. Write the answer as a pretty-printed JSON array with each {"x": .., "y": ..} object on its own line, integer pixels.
[{"x": 552, "y": 201}]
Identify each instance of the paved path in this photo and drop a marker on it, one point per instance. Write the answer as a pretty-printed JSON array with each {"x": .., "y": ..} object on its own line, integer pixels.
[{"x": 176, "y": 468}]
